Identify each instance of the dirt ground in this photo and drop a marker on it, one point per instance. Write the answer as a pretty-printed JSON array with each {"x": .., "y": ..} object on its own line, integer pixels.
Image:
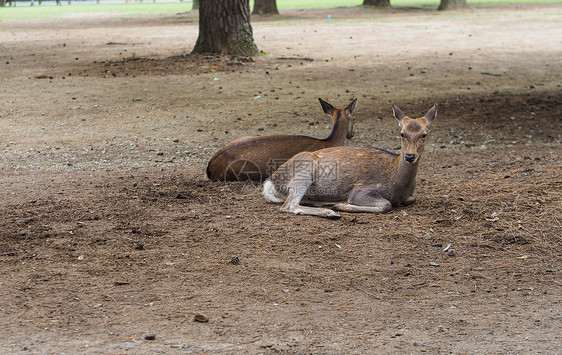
[{"x": 111, "y": 240}]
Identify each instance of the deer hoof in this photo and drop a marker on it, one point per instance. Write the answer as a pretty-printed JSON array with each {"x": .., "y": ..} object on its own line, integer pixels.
[
  {"x": 331, "y": 214},
  {"x": 410, "y": 201},
  {"x": 338, "y": 207}
]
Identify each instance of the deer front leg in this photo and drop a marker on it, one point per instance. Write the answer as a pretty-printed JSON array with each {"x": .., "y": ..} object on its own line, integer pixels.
[
  {"x": 364, "y": 202},
  {"x": 310, "y": 211},
  {"x": 380, "y": 207},
  {"x": 297, "y": 188},
  {"x": 292, "y": 205}
]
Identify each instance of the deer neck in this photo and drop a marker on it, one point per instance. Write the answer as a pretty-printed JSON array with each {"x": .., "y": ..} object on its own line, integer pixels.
[
  {"x": 404, "y": 176},
  {"x": 337, "y": 136}
]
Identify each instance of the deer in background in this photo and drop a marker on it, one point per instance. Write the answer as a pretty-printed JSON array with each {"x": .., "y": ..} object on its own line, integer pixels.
[
  {"x": 353, "y": 179},
  {"x": 256, "y": 158}
]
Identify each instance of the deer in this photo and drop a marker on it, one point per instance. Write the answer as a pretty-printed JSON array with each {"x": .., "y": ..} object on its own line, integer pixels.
[
  {"x": 352, "y": 179},
  {"x": 255, "y": 158}
]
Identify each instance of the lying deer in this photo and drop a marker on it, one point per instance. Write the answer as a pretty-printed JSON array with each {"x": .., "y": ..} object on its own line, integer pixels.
[
  {"x": 352, "y": 179},
  {"x": 256, "y": 158}
]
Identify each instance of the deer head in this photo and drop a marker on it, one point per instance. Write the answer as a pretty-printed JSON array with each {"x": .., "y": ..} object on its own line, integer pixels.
[
  {"x": 413, "y": 132},
  {"x": 347, "y": 120}
]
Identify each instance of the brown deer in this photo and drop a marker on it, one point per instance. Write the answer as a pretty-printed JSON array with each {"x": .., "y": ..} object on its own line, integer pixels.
[
  {"x": 352, "y": 179},
  {"x": 256, "y": 158}
]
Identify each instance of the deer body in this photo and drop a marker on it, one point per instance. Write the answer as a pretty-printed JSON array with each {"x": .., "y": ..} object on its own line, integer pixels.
[
  {"x": 255, "y": 158},
  {"x": 352, "y": 179}
]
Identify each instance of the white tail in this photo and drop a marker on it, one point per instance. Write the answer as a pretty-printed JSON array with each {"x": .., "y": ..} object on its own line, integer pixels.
[
  {"x": 353, "y": 179},
  {"x": 269, "y": 192},
  {"x": 256, "y": 158}
]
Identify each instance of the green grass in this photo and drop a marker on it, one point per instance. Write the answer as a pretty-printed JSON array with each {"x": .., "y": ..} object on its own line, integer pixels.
[
  {"x": 50, "y": 11},
  {"x": 322, "y": 4},
  {"x": 313, "y": 4},
  {"x": 147, "y": 8}
]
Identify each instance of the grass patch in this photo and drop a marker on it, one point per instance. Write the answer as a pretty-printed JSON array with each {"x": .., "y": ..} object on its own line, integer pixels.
[
  {"x": 50, "y": 11},
  {"x": 43, "y": 12}
]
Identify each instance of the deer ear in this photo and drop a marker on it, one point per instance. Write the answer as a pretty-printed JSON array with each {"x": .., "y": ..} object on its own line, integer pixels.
[
  {"x": 351, "y": 107},
  {"x": 329, "y": 109},
  {"x": 431, "y": 114},
  {"x": 398, "y": 114}
]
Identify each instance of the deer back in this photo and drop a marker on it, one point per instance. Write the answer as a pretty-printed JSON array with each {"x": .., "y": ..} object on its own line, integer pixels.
[{"x": 256, "y": 158}]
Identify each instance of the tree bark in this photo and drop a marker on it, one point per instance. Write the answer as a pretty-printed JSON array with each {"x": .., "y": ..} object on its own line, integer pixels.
[
  {"x": 378, "y": 3},
  {"x": 224, "y": 28},
  {"x": 195, "y": 5},
  {"x": 2, "y": 3},
  {"x": 452, "y": 5},
  {"x": 265, "y": 7}
]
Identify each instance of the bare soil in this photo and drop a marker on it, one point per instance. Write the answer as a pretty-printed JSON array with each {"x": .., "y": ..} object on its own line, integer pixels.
[{"x": 111, "y": 240}]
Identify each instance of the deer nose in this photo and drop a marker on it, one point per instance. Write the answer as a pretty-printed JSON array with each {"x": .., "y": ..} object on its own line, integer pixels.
[{"x": 410, "y": 158}]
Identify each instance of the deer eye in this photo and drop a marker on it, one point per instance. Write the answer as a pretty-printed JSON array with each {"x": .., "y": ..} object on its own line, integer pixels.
[
  {"x": 402, "y": 135},
  {"x": 424, "y": 135}
]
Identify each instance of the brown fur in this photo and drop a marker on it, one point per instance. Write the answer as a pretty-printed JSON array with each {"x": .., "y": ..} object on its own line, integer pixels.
[
  {"x": 256, "y": 158},
  {"x": 413, "y": 126},
  {"x": 365, "y": 179}
]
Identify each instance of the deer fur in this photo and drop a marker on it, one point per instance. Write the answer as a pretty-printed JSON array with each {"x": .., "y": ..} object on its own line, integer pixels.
[
  {"x": 256, "y": 158},
  {"x": 353, "y": 179}
]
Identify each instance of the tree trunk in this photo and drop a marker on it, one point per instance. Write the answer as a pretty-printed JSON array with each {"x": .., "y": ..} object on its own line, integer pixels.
[
  {"x": 2, "y": 3},
  {"x": 195, "y": 5},
  {"x": 224, "y": 28},
  {"x": 452, "y": 5},
  {"x": 378, "y": 3},
  {"x": 265, "y": 7}
]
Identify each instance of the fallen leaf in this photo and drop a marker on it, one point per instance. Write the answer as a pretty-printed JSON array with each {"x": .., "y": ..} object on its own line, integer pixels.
[{"x": 200, "y": 318}]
